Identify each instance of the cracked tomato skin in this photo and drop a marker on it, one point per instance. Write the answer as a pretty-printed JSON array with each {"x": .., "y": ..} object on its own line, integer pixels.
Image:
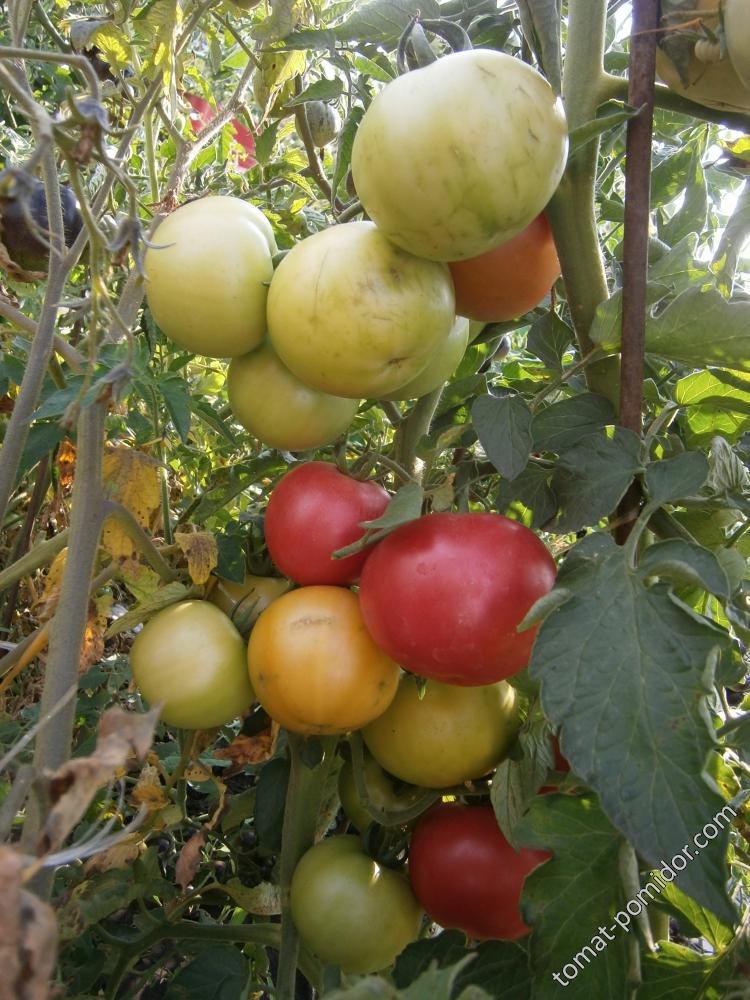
[
  {"x": 313, "y": 511},
  {"x": 511, "y": 279},
  {"x": 453, "y": 159},
  {"x": 465, "y": 873},
  {"x": 349, "y": 910},
  {"x": 444, "y": 593},
  {"x": 315, "y": 665},
  {"x": 353, "y": 315}
]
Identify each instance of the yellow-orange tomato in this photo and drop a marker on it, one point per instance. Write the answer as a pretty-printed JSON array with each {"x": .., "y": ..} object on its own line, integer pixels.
[
  {"x": 315, "y": 667},
  {"x": 509, "y": 280},
  {"x": 450, "y": 735}
]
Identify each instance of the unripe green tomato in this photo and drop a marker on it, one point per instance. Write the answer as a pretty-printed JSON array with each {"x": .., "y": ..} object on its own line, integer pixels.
[
  {"x": 245, "y": 4},
  {"x": 380, "y": 790},
  {"x": 191, "y": 659},
  {"x": 737, "y": 32},
  {"x": 279, "y": 409},
  {"x": 349, "y": 910},
  {"x": 455, "y": 158},
  {"x": 207, "y": 283},
  {"x": 443, "y": 364},
  {"x": 324, "y": 122},
  {"x": 351, "y": 314},
  {"x": 451, "y": 735},
  {"x": 245, "y": 601}
]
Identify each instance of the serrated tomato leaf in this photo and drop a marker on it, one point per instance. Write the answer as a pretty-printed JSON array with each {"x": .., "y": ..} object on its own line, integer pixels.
[{"x": 624, "y": 671}]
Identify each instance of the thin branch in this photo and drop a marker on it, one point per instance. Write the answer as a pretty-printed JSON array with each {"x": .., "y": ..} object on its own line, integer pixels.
[
  {"x": 616, "y": 88},
  {"x": 81, "y": 63},
  {"x": 40, "y": 555},
  {"x": 21, "y": 321},
  {"x": 140, "y": 539}
]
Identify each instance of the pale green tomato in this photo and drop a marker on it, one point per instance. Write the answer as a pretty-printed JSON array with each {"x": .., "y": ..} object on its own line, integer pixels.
[
  {"x": 475, "y": 328},
  {"x": 281, "y": 411},
  {"x": 243, "y": 602},
  {"x": 207, "y": 283},
  {"x": 351, "y": 314},
  {"x": 451, "y": 735},
  {"x": 349, "y": 910},
  {"x": 444, "y": 362},
  {"x": 191, "y": 659},
  {"x": 737, "y": 32},
  {"x": 453, "y": 159},
  {"x": 323, "y": 121}
]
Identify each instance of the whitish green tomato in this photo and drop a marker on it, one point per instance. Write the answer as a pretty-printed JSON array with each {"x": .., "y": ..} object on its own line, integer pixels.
[
  {"x": 192, "y": 659},
  {"x": 349, "y": 910},
  {"x": 442, "y": 365},
  {"x": 281, "y": 411},
  {"x": 351, "y": 314},
  {"x": 323, "y": 121},
  {"x": 451, "y": 735},
  {"x": 737, "y": 31},
  {"x": 453, "y": 159},
  {"x": 207, "y": 283}
]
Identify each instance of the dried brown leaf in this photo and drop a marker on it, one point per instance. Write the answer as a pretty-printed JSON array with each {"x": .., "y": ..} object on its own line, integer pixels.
[
  {"x": 201, "y": 552},
  {"x": 149, "y": 790},
  {"x": 244, "y": 750},
  {"x": 66, "y": 463},
  {"x": 73, "y": 786},
  {"x": 190, "y": 859},
  {"x": 28, "y": 935},
  {"x": 122, "y": 855}
]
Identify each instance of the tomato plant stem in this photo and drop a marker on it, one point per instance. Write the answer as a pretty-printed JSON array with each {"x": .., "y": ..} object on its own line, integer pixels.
[
  {"x": 68, "y": 625},
  {"x": 636, "y": 233},
  {"x": 413, "y": 428},
  {"x": 303, "y": 799}
]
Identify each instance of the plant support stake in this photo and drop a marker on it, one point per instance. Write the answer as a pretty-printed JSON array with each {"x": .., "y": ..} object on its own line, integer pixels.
[{"x": 635, "y": 240}]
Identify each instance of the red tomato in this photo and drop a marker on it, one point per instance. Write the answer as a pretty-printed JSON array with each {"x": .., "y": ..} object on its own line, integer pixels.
[
  {"x": 465, "y": 873},
  {"x": 313, "y": 511},
  {"x": 443, "y": 595},
  {"x": 203, "y": 114},
  {"x": 509, "y": 280}
]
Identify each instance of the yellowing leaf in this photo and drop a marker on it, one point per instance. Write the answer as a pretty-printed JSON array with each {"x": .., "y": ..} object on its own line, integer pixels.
[
  {"x": 46, "y": 603},
  {"x": 201, "y": 551},
  {"x": 141, "y": 580},
  {"x": 131, "y": 479},
  {"x": 114, "y": 46},
  {"x": 122, "y": 855},
  {"x": 149, "y": 791}
]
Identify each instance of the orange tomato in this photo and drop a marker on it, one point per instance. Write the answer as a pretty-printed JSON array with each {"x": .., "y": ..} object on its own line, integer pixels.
[
  {"x": 509, "y": 280},
  {"x": 316, "y": 668}
]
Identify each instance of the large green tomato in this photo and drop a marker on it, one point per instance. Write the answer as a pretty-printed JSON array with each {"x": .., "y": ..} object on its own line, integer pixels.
[
  {"x": 450, "y": 735},
  {"x": 207, "y": 280},
  {"x": 453, "y": 159},
  {"x": 349, "y": 910},
  {"x": 191, "y": 659},
  {"x": 444, "y": 362},
  {"x": 243, "y": 602},
  {"x": 351, "y": 314},
  {"x": 278, "y": 409}
]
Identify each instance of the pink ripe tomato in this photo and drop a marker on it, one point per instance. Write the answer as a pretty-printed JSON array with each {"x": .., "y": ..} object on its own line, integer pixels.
[
  {"x": 443, "y": 594},
  {"x": 313, "y": 511},
  {"x": 465, "y": 873}
]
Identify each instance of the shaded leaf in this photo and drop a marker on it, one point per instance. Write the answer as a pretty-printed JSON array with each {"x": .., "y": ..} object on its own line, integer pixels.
[
  {"x": 676, "y": 972},
  {"x": 531, "y": 488},
  {"x": 675, "y": 478},
  {"x": 344, "y": 147},
  {"x": 686, "y": 562},
  {"x": 549, "y": 338},
  {"x": 564, "y": 424},
  {"x": 701, "y": 328},
  {"x": 321, "y": 90},
  {"x": 503, "y": 426}
]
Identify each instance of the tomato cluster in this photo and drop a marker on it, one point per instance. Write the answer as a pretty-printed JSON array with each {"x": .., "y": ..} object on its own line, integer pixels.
[{"x": 379, "y": 310}]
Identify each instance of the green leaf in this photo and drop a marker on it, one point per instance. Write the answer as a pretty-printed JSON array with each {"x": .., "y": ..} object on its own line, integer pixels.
[
  {"x": 571, "y": 898},
  {"x": 501, "y": 967},
  {"x": 671, "y": 176},
  {"x": 591, "y": 478},
  {"x": 609, "y": 116},
  {"x": 686, "y": 562},
  {"x": 562, "y": 425},
  {"x": 378, "y": 71},
  {"x": 701, "y": 328},
  {"x": 719, "y": 935},
  {"x": 405, "y": 505},
  {"x": 541, "y": 26},
  {"x": 675, "y": 478},
  {"x": 281, "y": 21},
  {"x": 503, "y": 427},
  {"x": 516, "y": 782},
  {"x": 231, "y": 548},
  {"x": 43, "y": 437},
  {"x": 444, "y": 950},
  {"x": 678, "y": 268},
  {"x": 344, "y": 146},
  {"x": 531, "y": 488},
  {"x": 549, "y": 338},
  {"x": 382, "y": 21},
  {"x": 607, "y": 326},
  {"x": 176, "y": 396},
  {"x": 269, "y": 803},
  {"x": 265, "y": 143},
  {"x": 218, "y": 972},
  {"x": 676, "y": 972},
  {"x": 321, "y": 90},
  {"x": 171, "y": 593},
  {"x": 691, "y": 216},
  {"x": 625, "y": 671},
  {"x": 717, "y": 402},
  {"x": 727, "y": 473}
]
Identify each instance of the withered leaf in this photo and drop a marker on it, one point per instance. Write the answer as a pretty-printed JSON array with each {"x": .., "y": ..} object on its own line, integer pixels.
[
  {"x": 256, "y": 749},
  {"x": 190, "y": 859},
  {"x": 73, "y": 786},
  {"x": 131, "y": 479},
  {"x": 201, "y": 551},
  {"x": 28, "y": 935}
]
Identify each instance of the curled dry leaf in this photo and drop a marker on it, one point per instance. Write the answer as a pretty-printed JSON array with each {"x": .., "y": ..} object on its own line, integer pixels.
[
  {"x": 122, "y": 855},
  {"x": 201, "y": 552},
  {"x": 28, "y": 935},
  {"x": 131, "y": 479},
  {"x": 122, "y": 735},
  {"x": 256, "y": 749},
  {"x": 149, "y": 791},
  {"x": 66, "y": 463},
  {"x": 190, "y": 859}
]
